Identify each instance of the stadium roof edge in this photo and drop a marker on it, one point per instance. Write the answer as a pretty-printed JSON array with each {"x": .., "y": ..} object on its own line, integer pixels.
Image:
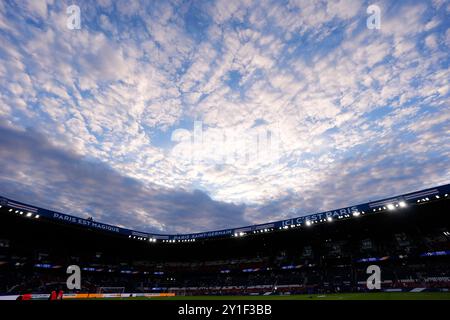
[{"x": 368, "y": 207}]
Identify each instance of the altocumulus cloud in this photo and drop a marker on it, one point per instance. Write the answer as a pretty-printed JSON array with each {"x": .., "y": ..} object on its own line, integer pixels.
[{"x": 361, "y": 113}]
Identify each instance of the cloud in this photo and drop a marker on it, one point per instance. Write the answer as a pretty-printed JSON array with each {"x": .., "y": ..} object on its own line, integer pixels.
[
  {"x": 431, "y": 41},
  {"x": 312, "y": 73}
]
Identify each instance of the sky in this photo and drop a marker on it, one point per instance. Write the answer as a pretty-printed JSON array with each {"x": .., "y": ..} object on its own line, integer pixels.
[{"x": 189, "y": 116}]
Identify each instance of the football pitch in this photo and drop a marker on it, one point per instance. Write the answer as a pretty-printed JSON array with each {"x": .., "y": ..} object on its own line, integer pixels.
[{"x": 315, "y": 297}]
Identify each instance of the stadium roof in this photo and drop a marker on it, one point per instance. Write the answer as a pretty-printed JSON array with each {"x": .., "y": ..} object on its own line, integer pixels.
[{"x": 398, "y": 202}]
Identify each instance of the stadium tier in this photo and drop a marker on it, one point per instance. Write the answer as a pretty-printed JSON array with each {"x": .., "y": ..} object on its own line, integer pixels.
[{"x": 407, "y": 236}]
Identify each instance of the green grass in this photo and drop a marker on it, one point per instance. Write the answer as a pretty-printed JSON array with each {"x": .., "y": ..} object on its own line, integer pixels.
[{"x": 316, "y": 297}]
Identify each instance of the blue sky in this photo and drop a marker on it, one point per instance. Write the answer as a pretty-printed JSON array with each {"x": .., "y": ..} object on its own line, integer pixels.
[{"x": 103, "y": 121}]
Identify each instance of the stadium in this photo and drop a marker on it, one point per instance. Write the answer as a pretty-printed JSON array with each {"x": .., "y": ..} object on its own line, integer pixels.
[
  {"x": 319, "y": 256},
  {"x": 177, "y": 154}
]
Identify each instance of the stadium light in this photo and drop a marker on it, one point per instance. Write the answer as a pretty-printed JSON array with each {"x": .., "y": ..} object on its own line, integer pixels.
[
  {"x": 308, "y": 223},
  {"x": 37, "y": 216},
  {"x": 390, "y": 206},
  {"x": 10, "y": 210},
  {"x": 356, "y": 213},
  {"x": 29, "y": 214},
  {"x": 402, "y": 204},
  {"x": 329, "y": 219}
]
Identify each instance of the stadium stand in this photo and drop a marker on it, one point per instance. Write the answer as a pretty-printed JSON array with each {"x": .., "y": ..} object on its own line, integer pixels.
[{"x": 410, "y": 242}]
